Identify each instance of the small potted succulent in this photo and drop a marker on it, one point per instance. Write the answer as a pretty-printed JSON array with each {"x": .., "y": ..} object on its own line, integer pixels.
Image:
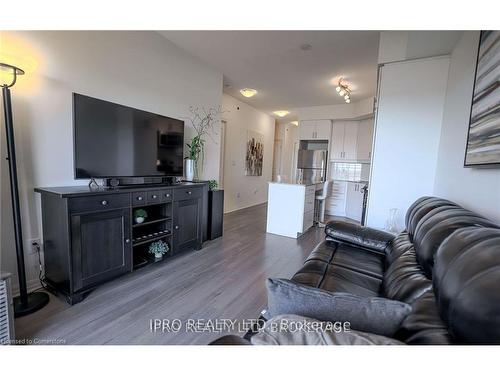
[
  {"x": 213, "y": 185},
  {"x": 140, "y": 215},
  {"x": 158, "y": 249}
]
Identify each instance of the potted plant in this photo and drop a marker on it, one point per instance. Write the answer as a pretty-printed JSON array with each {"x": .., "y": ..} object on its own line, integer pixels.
[
  {"x": 203, "y": 122},
  {"x": 140, "y": 216},
  {"x": 158, "y": 249},
  {"x": 213, "y": 185}
]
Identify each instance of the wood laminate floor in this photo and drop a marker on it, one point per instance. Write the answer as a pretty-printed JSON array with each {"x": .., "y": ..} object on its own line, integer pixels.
[{"x": 224, "y": 280}]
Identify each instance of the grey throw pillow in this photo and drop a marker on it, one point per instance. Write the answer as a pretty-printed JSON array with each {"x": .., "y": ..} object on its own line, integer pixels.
[
  {"x": 292, "y": 330},
  {"x": 369, "y": 314}
]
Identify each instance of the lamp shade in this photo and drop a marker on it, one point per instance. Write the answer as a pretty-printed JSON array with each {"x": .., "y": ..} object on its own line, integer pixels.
[{"x": 8, "y": 74}]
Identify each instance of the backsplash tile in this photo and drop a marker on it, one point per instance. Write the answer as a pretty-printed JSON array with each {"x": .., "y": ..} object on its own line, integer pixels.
[{"x": 349, "y": 171}]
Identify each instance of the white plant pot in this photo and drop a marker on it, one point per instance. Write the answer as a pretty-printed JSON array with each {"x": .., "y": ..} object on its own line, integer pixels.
[
  {"x": 139, "y": 220},
  {"x": 158, "y": 256},
  {"x": 189, "y": 169}
]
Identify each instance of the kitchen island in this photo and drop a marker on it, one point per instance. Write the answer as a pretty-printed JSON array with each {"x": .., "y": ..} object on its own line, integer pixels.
[{"x": 290, "y": 210}]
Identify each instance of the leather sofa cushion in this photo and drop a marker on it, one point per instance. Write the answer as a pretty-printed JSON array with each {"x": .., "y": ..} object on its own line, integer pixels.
[
  {"x": 340, "y": 279},
  {"x": 358, "y": 259},
  {"x": 358, "y": 235},
  {"x": 330, "y": 267},
  {"x": 438, "y": 224},
  {"x": 377, "y": 315},
  {"x": 404, "y": 280},
  {"x": 422, "y": 207},
  {"x": 424, "y": 325},
  {"x": 399, "y": 245},
  {"x": 466, "y": 281}
]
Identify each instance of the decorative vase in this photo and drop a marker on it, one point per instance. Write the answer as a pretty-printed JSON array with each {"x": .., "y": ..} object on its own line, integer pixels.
[
  {"x": 190, "y": 169},
  {"x": 139, "y": 220},
  {"x": 158, "y": 256},
  {"x": 392, "y": 221}
]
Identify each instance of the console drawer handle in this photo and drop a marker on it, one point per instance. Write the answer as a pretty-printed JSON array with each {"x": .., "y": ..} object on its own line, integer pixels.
[
  {"x": 167, "y": 195},
  {"x": 154, "y": 196},
  {"x": 104, "y": 202},
  {"x": 139, "y": 198},
  {"x": 176, "y": 227},
  {"x": 127, "y": 240},
  {"x": 189, "y": 192}
]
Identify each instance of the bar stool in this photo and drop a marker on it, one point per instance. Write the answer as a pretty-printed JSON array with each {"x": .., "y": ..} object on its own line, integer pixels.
[{"x": 320, "y": 203}]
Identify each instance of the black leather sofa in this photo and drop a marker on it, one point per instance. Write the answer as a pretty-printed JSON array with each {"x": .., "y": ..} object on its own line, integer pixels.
[{"x": 445, "y": 264}]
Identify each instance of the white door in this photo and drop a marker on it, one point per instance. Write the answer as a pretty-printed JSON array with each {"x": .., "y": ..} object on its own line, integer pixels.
[
  {"x": 337, "y": 143},
  {"x": 323, "y": 130},
  {"x": 307, "y": 130},
  {"x": 350, "y": 140},
  {"x": 365, "y": 139},
  {"x": 278, "y": 150}
]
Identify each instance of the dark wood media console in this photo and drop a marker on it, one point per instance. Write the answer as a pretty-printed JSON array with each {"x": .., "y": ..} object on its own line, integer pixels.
[{"x": 90, "y": 235}]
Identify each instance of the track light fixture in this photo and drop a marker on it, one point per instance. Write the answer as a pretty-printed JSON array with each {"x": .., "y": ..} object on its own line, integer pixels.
[{"x": 344, "y": 90}]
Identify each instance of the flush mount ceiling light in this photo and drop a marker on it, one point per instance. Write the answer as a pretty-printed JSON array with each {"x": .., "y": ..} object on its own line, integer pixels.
[
  {"x": 281, "y": 113},
  {"x": 344, "y": 90},
  {"x": 296, "y": 123},
  {"x": 248, "y": 93}
]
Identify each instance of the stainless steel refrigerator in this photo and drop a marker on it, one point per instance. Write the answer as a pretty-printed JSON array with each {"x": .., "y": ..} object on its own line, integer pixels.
[{"x": 311, "y": 166}]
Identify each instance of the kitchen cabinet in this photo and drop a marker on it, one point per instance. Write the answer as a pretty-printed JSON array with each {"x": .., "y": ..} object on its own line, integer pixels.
[
  {"x": 311, "y": 130},
  {"x": 365, "y": 140},
  {"x": 344, "y": 140},
  {"x": 354, "y": 200},
  {"x": 337, "y": 143},
  {"x": 323, "y": 130},
  {"x": 336, "y": 203},
  {"x": 351, "y": 141}
]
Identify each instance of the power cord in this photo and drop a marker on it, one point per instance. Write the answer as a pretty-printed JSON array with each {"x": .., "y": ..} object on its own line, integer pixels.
[{"x": 40, "y": 268}]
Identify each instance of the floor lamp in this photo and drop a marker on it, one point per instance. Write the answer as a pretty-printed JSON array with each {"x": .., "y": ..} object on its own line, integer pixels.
[{"x": 26, "y": 303}]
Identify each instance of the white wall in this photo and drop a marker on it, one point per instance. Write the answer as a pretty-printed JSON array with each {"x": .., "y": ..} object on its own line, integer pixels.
[
  {"x": 474, "y": 188},
  {"x": 140, "y": 69},
  {"x": 242, "y": 191},
  {"x": 416, "y": 44},
  {"x": 408, "y": 127}
]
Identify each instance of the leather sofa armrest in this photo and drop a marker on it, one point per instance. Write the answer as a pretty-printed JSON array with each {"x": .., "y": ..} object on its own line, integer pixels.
[
  {"x": 355, "y": 234},
  {"x": 230, "y": 340}
]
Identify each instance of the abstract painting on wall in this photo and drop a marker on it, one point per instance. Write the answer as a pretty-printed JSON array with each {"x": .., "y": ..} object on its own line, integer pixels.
[
  {"x": 255, "y": 154},
  {"x": 483, "y": 142}
]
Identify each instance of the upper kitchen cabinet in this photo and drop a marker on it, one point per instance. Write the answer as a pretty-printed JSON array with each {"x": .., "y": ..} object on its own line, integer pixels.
[
  {"x": 323, "y": 130},
  {"x": 365, "y": 140},
  {"x": 312, "y": 130},
  {"x": 344, "y": 140},
  {"x": 351, "y": 141}
]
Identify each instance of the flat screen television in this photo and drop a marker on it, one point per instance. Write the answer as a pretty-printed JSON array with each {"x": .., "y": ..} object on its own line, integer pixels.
[{"x": 113, "y": 141}]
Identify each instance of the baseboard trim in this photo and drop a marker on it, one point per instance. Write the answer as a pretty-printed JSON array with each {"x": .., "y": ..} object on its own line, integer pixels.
[
  {"x": 32, "y": 285},
  {"x": 243, "y": 208}
]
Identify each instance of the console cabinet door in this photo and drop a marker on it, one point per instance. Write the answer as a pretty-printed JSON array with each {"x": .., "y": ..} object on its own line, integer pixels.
[
  {"x": 187, "y": 224},
  {"x": 101, "y": 247}
]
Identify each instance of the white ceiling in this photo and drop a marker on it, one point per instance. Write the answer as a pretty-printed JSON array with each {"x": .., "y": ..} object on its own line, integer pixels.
[{"x": 285, "y": 75}]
